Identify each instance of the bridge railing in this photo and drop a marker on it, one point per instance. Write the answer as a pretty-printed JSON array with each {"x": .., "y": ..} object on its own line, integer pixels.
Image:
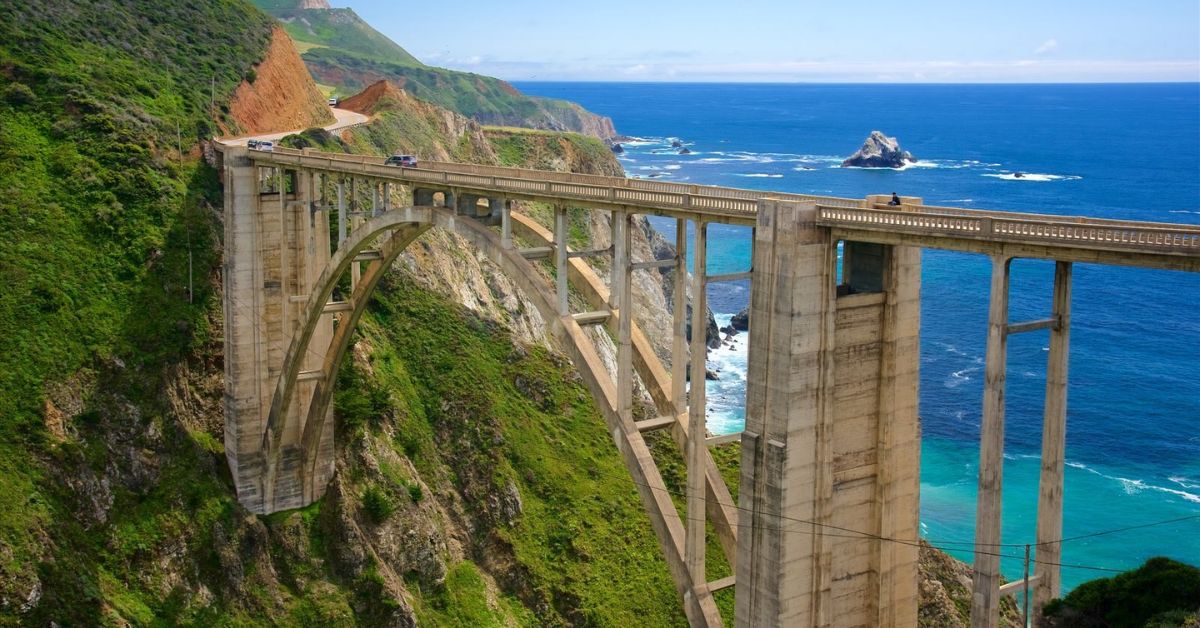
[
  {"x": 743, "y": 204},
  {"x": 1025, "y": 228}
]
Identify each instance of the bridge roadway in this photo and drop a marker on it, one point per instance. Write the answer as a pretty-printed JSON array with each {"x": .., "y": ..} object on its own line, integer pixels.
[
  {"x": 830, "y": 455},
  {"x": 1030, "y": 235}
]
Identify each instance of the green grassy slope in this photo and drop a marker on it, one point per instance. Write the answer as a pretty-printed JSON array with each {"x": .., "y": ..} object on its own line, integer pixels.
[
  {"x": 97, "y": 214},
  {"x": 340, "y": 29}
]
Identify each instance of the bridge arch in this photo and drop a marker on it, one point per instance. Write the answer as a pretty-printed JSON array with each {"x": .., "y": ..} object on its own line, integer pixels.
[{"x": 393, "y": 231}]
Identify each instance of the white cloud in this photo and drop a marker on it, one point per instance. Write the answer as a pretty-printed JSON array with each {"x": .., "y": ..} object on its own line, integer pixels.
[
  {"x": 1039, "y": 70},
  {"x": 1050, "y": 45}
]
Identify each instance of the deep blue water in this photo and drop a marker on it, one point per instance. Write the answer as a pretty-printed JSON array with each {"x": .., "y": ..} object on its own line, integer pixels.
[{"x": 1112, "y": 151}]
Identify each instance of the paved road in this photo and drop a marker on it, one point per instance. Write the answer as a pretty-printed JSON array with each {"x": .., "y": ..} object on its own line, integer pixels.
[{"x": 345, "y": 118}]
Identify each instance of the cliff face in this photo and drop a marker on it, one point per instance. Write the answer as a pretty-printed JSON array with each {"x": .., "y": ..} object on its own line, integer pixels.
[{"x": 278, "y": 94}]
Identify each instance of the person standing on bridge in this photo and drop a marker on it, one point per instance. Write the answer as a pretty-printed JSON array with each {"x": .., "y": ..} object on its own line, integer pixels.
[{"x": 895, "y": 199}]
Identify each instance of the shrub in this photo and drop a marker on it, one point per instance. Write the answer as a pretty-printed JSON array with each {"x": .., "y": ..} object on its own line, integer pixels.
[
  {"x": 377, "y": 504},
  {"x": 1147, "y": 595},
  {"x": 19, "y": 94},
  {"x": 415, "y": 493}
]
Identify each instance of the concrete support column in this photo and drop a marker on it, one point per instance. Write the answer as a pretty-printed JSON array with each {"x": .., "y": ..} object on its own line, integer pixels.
[
  {"x": 560, "y": 258},
  {"x": 387, "y": 196},
  {"x": 496, "y": 207},
  {"x": 620, "y": 251},
  {"x": 244, "y": 342},
  {"x": 341, "y": 200},
  {"x": 985, "y": 597},
  {"x": 375, "y": 204},
  {"x": 697, "y": 428},
  {"x": 898, "y": 439},
  {"x": 783, "y": 568},
  {"x": 1054, "y": 442},
  {"x": 679, "y": 321},
  {"x": 286, "y": 229},
  {"x": 355, "y": 222},
  {"x": 624, "y": 268},
  {"x": 506, "y": 240}
]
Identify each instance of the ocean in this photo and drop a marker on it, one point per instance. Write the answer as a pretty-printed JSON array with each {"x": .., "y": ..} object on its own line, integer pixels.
[{"x": 1108, "y": 151}]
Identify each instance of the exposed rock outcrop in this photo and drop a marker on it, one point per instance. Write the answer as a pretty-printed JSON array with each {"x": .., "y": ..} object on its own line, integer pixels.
[
  {"x": 279, "y": 94},
  {"x": 945, "y": 593},
  {"x": 879, "y": 151},
  {"x": 741, "y": 320}
]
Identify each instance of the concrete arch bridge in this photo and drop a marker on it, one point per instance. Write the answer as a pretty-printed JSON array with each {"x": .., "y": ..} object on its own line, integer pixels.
[{"x": 831, "y": 445}]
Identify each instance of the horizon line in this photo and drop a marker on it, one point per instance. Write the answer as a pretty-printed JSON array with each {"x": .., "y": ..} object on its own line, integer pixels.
[{"x": 804, "y": 82}]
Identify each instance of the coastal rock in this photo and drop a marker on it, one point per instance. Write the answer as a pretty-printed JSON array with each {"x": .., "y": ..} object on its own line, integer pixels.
[
  {"x": 741, "y": 320},
  {"x": 618, "y": 149},
  {"x": 879, "y": 151},
  {"x": 676, "y": 144},
  {"x": 685, "y": 151},
  {"x": 711, "y": 332}
]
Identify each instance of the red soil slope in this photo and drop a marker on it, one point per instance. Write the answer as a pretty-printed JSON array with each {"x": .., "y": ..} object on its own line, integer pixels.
[{"x": 282, "y": 97}]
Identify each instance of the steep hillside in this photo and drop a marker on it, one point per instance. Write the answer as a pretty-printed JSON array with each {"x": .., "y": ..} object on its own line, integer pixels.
[
  {"x": 279, "y": 94},
  {"x": 102, "y": 219},
  {"x": 316, "y": 24},
  {"x": 344, "y": 52}
]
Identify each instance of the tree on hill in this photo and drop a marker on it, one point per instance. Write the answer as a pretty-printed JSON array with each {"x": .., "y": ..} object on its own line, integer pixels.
[{"x": 1162, "y": 592}]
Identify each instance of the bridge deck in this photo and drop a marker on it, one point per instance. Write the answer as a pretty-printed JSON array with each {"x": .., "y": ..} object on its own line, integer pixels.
[{"x": 1159, "y": 245}]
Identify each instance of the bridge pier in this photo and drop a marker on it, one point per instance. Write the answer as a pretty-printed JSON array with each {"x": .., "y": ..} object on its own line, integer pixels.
[
  {"x": 986, "y": 591},
  {"x": 830, "y": 455},
  {"x": 276, "y": 246}
]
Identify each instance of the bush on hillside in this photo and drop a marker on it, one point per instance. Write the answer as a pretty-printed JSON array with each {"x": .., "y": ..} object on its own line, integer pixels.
[{"x": 1162, "y": 592}]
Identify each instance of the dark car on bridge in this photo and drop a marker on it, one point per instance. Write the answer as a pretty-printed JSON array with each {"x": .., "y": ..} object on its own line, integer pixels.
[{"x": 404, "y": 161}]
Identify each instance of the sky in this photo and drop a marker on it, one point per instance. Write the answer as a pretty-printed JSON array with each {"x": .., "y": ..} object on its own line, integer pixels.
[{"x": 921, "y": 41}]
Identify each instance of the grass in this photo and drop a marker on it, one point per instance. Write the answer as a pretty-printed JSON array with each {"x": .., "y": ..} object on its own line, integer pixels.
[
  {"x": 517, "y": 417},
  {"x": 340, "y": 29}
]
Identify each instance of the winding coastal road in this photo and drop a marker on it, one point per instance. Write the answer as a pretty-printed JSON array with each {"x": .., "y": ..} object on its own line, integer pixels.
[{"x": 344, "y": 119}]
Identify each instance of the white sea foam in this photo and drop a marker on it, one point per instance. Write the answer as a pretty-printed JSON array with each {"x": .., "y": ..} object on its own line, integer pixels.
[
  {"x": 1033, "y": 176},
  {"x": 1185, "y": 482},
  {"x": 958, "y": 378},
  {"x": 1183, "y": 211},
  {"x": 672, "y": 167},
  {"x": 759, "y": 175},
  {"x": 642, "y": 141},
  {"x": 1133, "y": 486}
]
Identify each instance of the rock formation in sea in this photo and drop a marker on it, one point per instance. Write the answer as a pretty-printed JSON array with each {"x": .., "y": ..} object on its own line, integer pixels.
[
  {"x": 741, "y": 320},
  {"x": 880, "y": 151},
  {"x": 617, "y": 148},
  {"x": 685, "y": 151}
]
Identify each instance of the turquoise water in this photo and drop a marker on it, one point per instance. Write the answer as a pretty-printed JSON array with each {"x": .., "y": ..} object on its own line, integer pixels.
[{"x": 1113, "y": 151}]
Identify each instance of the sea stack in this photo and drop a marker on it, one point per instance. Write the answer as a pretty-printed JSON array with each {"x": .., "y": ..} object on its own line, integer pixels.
[{"x": 880, "y": 151}]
